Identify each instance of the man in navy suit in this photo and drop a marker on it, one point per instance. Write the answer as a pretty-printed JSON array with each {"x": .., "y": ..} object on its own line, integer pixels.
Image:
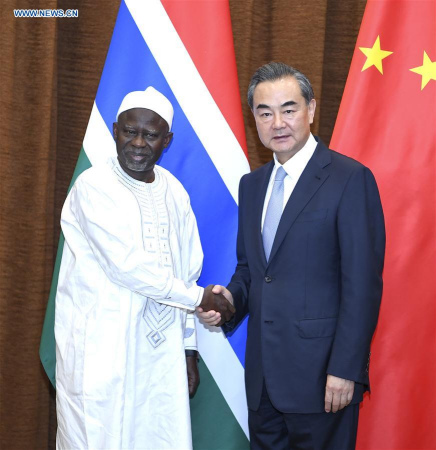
[{"x": 310, "y": 250}]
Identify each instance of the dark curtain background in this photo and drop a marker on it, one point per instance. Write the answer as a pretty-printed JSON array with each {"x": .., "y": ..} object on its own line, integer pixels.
[{"x": 49, "y": 74}]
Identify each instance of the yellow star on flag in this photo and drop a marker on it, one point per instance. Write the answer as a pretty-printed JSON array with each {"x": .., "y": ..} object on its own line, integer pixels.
[
  {"x": 374, "y": 56},
  {"x": 427, "y": 70}
]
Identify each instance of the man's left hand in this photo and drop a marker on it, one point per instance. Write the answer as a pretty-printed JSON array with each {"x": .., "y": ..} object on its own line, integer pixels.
[
  {"x": 193, "y": 375},
  {"x": 338, "y": 393}
]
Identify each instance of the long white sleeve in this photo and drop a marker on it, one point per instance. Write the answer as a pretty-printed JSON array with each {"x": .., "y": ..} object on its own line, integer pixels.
[{"x": 110, "y": 226}]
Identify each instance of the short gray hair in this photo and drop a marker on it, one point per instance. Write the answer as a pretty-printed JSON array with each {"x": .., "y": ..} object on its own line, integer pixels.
[{"x": 276, "y": 71}]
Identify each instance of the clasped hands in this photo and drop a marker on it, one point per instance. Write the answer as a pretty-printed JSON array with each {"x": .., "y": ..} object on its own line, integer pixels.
[{"x": 216, "y": 307}]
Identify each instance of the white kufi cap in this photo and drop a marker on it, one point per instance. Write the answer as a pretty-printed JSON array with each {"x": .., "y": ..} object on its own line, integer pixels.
[{"x": 149, "y": 99}]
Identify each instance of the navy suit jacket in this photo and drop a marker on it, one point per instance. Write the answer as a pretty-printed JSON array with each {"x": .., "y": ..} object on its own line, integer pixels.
[{"x": 314, "y": 306}]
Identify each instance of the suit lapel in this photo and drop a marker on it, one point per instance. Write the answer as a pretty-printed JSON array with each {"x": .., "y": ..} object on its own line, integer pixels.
[{"x": 312, "y": 178}]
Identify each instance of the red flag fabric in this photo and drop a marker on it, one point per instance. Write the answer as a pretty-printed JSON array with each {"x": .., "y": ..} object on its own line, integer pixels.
[
  {"x": 203, "y": 26},
  {"x": 387, "y": 121}
]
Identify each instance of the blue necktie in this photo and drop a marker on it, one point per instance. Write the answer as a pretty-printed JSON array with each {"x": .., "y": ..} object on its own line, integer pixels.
[{"x": 273, "y": 212}]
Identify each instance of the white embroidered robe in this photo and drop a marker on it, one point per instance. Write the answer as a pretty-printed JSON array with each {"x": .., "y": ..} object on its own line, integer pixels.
[{"x": 131, "y": 259}]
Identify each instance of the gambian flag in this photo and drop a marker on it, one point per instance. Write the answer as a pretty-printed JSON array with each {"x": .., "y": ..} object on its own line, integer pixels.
[
  {"x": 185, "y": 50},
  {"x": 387, "y": 120}
]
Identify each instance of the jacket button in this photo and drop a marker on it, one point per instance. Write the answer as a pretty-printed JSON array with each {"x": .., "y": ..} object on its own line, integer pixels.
[{"x": 268, "y": 279}]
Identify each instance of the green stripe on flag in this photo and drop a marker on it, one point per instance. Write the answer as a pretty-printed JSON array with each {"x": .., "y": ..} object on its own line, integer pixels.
[
  {"x": 83, "y": 163},
  {"x": 214, "y": 427},
  {"x": 47, "y": 348}
]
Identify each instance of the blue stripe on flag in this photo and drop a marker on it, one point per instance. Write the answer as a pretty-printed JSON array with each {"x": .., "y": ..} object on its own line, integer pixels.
[{"x": 131, "y": 66}]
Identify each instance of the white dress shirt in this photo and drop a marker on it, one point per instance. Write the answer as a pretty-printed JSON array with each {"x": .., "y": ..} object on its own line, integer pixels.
[{"x": 294, "y": 168}]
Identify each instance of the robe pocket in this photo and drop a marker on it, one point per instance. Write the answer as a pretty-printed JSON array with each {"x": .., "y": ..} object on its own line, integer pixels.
[
  {"x": 317, "y": 328},
  {"x": 308, "y": 216}
]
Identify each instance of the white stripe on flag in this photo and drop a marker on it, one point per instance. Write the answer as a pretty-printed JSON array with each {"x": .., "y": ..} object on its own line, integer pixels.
[
  {"x": 226, "y": 370},
  {"x": 98, "y": 142},
  {"x": 184, "y": 79}
]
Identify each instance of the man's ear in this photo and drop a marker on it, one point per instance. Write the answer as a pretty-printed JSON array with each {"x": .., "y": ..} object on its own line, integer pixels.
[
  {"x": 168, "y": 139},
  {"x": 115, "y": 130},
  {"x": 312, "y": 107}
]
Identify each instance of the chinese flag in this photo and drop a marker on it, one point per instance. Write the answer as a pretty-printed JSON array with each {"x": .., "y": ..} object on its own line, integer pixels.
[{"x": 387, "y": 121}]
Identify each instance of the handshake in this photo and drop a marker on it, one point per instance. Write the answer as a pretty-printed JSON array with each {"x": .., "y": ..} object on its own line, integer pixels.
[{"x": 216, "y": 306}]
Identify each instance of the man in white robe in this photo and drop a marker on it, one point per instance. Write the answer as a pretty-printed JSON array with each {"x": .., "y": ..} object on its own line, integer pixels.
[{"x": 125, "y": 332}]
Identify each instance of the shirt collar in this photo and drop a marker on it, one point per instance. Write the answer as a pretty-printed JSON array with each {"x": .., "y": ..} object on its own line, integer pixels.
[{"x": 294, "y": 167}]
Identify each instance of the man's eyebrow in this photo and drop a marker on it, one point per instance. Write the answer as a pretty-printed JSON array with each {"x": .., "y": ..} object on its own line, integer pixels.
[{"x": 263, "y": 106}]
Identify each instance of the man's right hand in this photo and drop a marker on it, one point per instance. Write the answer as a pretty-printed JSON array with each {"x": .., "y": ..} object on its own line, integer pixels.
[{"x": 211, "y": 311}]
